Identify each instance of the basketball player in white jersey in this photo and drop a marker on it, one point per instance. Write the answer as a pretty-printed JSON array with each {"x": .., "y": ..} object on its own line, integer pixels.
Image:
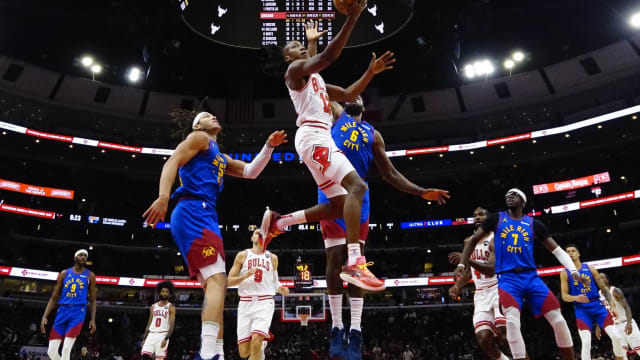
[
  {"x": 162, "y": 317},
  {"x": 622, "y": 317},
  {"x": 255, "y": 272},
  {"x": 488, "y": 321},
  {"x": 331, "y": 169}
]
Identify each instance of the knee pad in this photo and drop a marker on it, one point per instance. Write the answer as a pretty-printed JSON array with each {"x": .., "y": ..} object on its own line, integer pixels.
[
  {"x": 560, "y": 328},
  {"x": 514, "y": 336}
]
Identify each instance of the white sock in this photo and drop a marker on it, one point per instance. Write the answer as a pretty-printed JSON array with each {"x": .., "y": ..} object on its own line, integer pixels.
[
  {"x": 504, "y": 357},
  {"x": 220, "y": 348},
  {"x": 264, "y": 346},
  {"x": 209, "y": 339},
  {"x": 54, "y": 346},
  {"x": 335, "y": 305},
  {"x": 356, "y": 312},
  {"x": 353, "y": 250},
  {"x": 514, "y": 336},
  {"x": 294, "y": 218},
  {"x": 585, "y": 337},
  {"x": 67, "y": 345}
]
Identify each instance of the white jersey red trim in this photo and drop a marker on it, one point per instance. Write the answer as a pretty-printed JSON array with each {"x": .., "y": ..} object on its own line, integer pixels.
[
  {"x": 312, "y": 104},
  {"x": 160, "y": 320},
  {"x": 481, "y": 254},
  {"x": 616, "y": 309},
  {"x": 262, "y": 283}
]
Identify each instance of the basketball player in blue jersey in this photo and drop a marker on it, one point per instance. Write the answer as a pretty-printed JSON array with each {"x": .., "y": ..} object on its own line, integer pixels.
[
  {"x": 194, "y": 223},
  {"x": 586, "y": 301},
  {"x": 362, "y": 145},
  {"x": 518, "y": 279},
  {"x": 74, "y": 287}
]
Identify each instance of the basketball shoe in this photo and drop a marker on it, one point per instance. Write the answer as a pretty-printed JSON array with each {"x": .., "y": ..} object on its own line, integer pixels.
[
  {"x": 354, "y": 351},
  {"x": 360, "y": 276},
  {"x": 268, "y": 229},
  {"x": 338, "y": 344}
]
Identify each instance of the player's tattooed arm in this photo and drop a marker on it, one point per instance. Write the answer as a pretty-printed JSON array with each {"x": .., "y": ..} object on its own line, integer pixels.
[
  {"x": 53, "y": 301},
  {"x": 619, "y": 295},
  {"x": 600, "y": 283},
  {"x": 234, "y": 274}
]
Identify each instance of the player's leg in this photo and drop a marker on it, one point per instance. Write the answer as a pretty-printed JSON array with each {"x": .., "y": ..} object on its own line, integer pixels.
[
  {"x": 244, "y": 329},
  {"x": 54, "y": 348},
  {"x": 356, "y": 302},
  {"x": 501, "y": 329},
  {"x": 583, "y": 323},
  {"x": 544, "y": 303},
  {"x": 260, "y": 324},
  {"x": 67, "y": 345},
  {"x": 605, "y": 321},
  {"x": 212, "y": 312},
  {"x": 335, "y": 242},
  {"x": 634, "y": 338},
  {"x": 510, "y": 288},
  {"x": 484, "y": 325}
]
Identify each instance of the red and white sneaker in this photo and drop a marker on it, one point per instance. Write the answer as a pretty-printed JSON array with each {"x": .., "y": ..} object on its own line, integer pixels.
[
  {"x": 268, "y": 229},
  {"x": 360, "y": 276}
]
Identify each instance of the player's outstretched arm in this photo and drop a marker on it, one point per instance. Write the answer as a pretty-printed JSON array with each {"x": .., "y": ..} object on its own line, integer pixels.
[
  {"x": 251, "y": 170},
  {"x": 303, "y": 67},
  {"x": 53, "y": 301},
  {"x": 376, "y": 66},
  {"x": 619, "y": 295},
  {"x": 311, "y": 30},
  {"x": 563, "y": 258},
  {"x": 391, "y": 175},
  {"x": 234, "y": 277},
  {"x": 92, "y": 302},
  {"x": 194, "y": 143}
]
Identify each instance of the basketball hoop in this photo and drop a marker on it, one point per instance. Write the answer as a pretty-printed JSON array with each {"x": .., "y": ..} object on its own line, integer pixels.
[{"x": 304, "y": 319}]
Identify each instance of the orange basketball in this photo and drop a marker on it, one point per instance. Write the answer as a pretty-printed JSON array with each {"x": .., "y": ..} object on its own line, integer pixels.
[{"x": 342, "y": 5}]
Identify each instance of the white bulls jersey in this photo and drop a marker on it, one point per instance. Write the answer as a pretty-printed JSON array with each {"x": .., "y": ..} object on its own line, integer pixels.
[
  {"x": 263, "y": 281},
  {"x": 312, "y": 103},
  {"x": 481, "y": 255},
  {"x": 616, "y": 309},
  {"x": 160, "y": 320}
]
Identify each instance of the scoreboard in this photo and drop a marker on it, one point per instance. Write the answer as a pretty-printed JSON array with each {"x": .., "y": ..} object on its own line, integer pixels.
[
  {"x": 257, "y": 23},
  {"x": 303, "y": 275}
]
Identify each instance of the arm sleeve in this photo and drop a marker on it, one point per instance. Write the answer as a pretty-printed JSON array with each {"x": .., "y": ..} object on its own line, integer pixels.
[
  {"x": 540, "y": 230},
  {"x": 490, "y": 223},
  {"x": 254, "y": 168}
]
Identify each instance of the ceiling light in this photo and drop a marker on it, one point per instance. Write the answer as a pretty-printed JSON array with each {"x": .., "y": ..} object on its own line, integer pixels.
[
  {"x": 469, "y": 72},
  {"x": 509, "y": 64},
  {"x": 86, "y": 61},
  {"x": 134, "y": 74},
  {"x": 96, "y": 68},
  {"x": 634, "y": 20},
  {"x": 518, "y": 56}
]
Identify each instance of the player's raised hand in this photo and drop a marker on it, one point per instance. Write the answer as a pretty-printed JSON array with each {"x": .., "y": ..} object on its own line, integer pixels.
[
  {"x": 311, "y": 30},
  {"x": 277, "y": 137},
  {"x": 454, "y": 258},
  {"x": 356, "y": 7},
  {"x": 92, "y": 327},
  {"x": 156, "y": 212},
  {"x": 43, "y": 325},
  {"x": 378, "y": 65},
  {"x": 440, "y": 196}
]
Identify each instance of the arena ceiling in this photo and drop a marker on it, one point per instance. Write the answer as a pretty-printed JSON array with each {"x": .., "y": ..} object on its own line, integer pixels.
[{"x": 441, "y": 37}]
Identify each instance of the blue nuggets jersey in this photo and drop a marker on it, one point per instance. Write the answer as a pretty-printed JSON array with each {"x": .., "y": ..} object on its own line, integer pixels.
[
  {"x": 74, "y": 288},
  {"x": 355, "y": 139},
  {"x": 576, "y": 288},
  {"x": 202, "y": 176},
  {"x": 513, "y": 244}
]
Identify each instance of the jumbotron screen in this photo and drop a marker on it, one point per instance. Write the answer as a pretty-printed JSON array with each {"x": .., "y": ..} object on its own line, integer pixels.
[{"x": 256, "y": 23}]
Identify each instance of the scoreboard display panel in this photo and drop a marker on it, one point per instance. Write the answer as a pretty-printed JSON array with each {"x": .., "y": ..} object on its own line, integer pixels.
[{"x": 257, "y": 23}]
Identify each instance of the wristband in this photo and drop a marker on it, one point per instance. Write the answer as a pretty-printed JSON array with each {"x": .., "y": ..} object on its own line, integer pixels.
[
  {"x": 270, "y": 146},
  {"x": 463, "y": 266}
]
